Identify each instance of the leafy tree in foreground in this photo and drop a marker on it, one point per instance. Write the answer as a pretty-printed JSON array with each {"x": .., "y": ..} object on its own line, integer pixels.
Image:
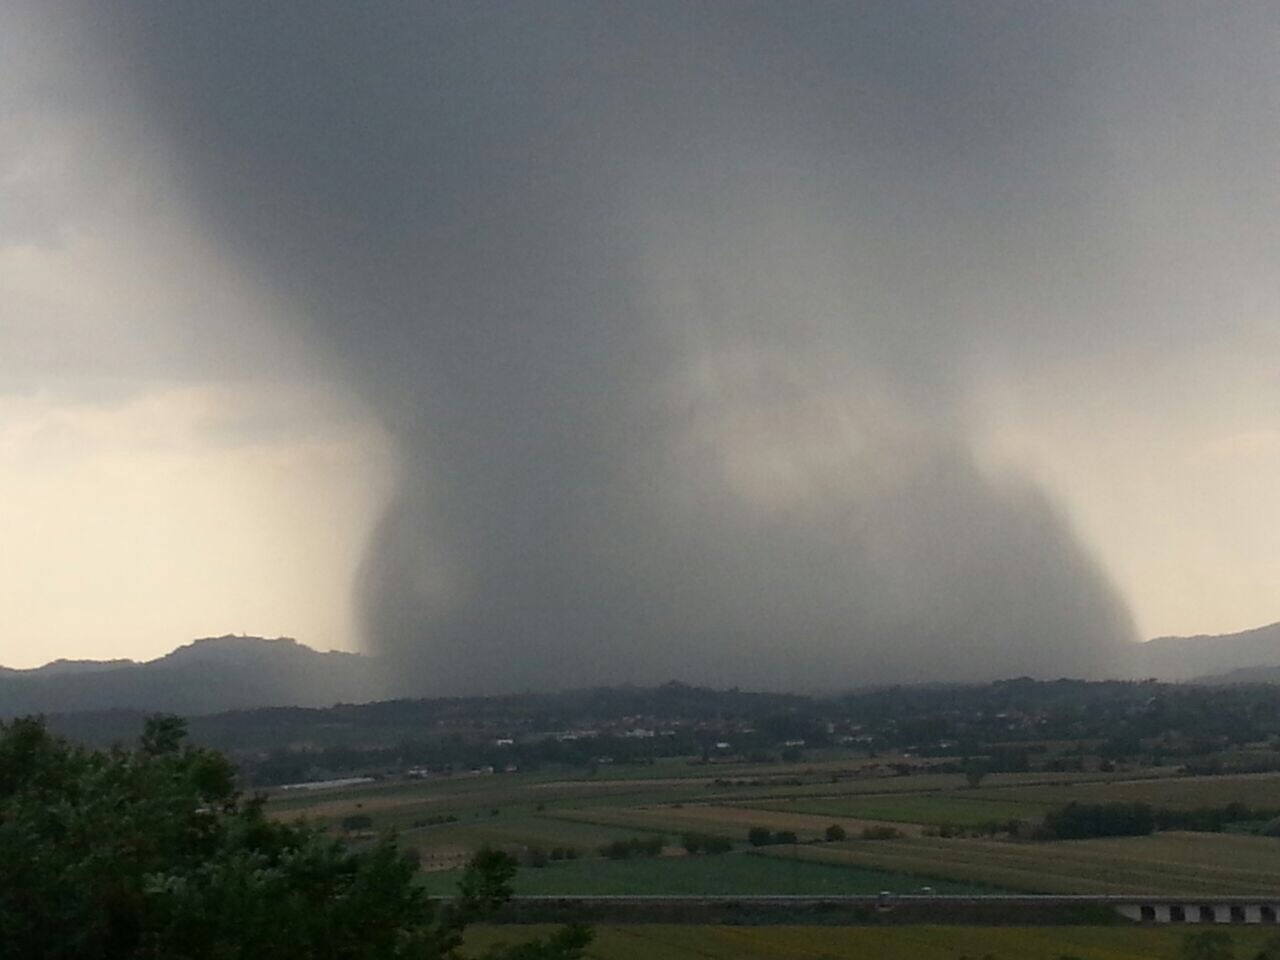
[{"x": 152, "y": 853}]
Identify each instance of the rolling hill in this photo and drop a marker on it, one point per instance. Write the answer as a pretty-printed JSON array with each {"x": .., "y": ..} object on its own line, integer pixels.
[
  {"x": 204, "y": 676},
  {"x": 234, "y": 673}
]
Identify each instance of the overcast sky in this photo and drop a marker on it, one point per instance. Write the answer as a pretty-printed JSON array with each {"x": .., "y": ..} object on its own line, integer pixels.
[{"x": 888, "y": 339}]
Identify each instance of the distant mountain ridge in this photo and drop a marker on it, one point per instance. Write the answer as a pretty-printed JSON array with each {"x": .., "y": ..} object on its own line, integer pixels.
[
  {"x": 1188, "y": 658},
  {"x": 215, "y": 674},
  {"x": 61, "y": 667},
  {"x": 204, "y": 676}
]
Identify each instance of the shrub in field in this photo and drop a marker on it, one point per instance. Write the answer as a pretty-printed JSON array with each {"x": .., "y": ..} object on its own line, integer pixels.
[
  {"x": 433, "y": 821},
  {"x": 760, "y": 837},
  {"x": 695, "y": 843},
  {"x": 616, "y": 850},
  {"x": 631, "y": 847},
  {"x": 1078, "y": 821},
  {"x": 835, "y": 833},
  {"x": 1212, "y": 819},
  {"x": 974, "y": 772},
  {"x": 718, "y": 844}
]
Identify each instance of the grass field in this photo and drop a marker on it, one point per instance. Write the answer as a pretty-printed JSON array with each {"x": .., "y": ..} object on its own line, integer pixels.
[
  {"x": 1255, "y": 790},
  {"x": 711, "y": 818},
  {"x": 548, "y": 810},
  {"x": 1007, "y": 799},
  {"x": 724, "y": 874},
  {"x": 447, "y": 845},
  {"x": 1008, "y": 786},
  {"x": 1173, "y": 863},
  {"x": 819, "y": 763},
  {"x": 398, "y": 805},
  {"x": 879, "y": 943},
  {"x": 929, "y": 809}
]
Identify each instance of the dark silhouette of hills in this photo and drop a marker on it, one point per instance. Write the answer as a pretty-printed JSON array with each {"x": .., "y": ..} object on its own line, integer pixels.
[
  {"x": 1189, "y": 658},
  {"x": 218, "y": 674},
  {"x": 65, "y": 667},
  {"x": 204, "y": 676}
]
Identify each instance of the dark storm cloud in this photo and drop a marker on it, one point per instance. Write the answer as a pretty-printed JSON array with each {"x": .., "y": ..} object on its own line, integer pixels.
[{"x": 671, "y": 310}]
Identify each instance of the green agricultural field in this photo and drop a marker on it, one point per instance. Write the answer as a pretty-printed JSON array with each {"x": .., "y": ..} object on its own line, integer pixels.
[
  {"x": 722, "y": 874},
  {"x": 818, "y": 763},
  {"x": 508, "y": 832},
  {"x": 1172, "y": 863},
  {"x": 400, "y": 805},
  {"x": 730, "y": 821},
  {"x": 540, "y": 810},
  {"x": 457, "y": 792},
  {"x": 955, "y": 807},
  {"x": 999, "y": 785},
  {"x": 1255, "y": 790},
  {"x": 636, "y": 942}
]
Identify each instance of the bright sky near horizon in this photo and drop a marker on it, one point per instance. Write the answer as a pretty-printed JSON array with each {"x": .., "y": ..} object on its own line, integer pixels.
[{"x": 176, "y": 462}]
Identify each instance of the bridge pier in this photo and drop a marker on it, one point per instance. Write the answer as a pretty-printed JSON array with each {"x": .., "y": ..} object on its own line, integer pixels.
[{"x": 1176, "y": 911}]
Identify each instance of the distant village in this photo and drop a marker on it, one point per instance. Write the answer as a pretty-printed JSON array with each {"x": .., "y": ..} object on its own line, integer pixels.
[{"x": 1011, "y": 726}]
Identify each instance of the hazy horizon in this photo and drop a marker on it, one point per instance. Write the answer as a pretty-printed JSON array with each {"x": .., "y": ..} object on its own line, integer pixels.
[
  {"x": 300, "y": 641},
  {"x": 533, "y": 344}
]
